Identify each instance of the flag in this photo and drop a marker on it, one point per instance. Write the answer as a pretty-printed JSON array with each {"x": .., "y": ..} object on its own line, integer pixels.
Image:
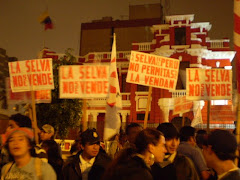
[
  {"x": 197, "y": 118},
  {"x": 46, "y": 20},
  {"x": 114, "y": 101},
  {"x": 237, "y": 39}
]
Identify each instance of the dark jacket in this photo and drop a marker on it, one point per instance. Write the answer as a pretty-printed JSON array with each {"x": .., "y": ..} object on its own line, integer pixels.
[
  {"x": 233, "y": 175},
  {"x": 181, "y": 168},
  {"x": 133, "y": 168},
  {"x": 72, "y": 171}
]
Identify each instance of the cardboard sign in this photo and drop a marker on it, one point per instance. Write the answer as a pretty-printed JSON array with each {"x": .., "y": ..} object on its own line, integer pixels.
[
  {"x": 209, "y": 84},
  {"x": 181, "y": 105},
  {"x": 31, "y": 75},
  {"x": 41, "y": 96},
  {"x": 151, "y": 70},
  {"x": 84, "y": 81}
]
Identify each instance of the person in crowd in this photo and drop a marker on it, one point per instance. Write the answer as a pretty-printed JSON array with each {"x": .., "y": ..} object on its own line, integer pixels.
[
  {"x": 175, "y": 166},
  {"x": 46, "y": 133},
  {"x": 134, "y": 163},
  {"x": 54, "y": 159},
  {"x": 15, "y": 121},
  {"x": 188, "y": 148},
  {"x": 132, "y": 131},
  {"x": 24, "y": 166},
  {"x": 200, "y": 135},
  {"x": 219, "y": 151},
  {"x": 91, "y": 162}
]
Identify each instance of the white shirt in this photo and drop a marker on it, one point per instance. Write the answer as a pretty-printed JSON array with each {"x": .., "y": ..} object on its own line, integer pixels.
[{"x": 85, "y": 166}]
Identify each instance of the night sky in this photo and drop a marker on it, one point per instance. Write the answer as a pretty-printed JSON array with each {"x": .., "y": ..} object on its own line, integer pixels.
[{"x": 23, "y": 36}]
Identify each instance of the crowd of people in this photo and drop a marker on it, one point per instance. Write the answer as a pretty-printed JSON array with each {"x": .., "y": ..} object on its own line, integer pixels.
[{"x": 161, "y": 153}]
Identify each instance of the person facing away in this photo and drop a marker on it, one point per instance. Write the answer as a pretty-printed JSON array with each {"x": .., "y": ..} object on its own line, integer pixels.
[
  {"x": 24, "y": 166},
  {"x": 54, "y": 159},
  {"x": 174, "y": 166},
  {"x": 132, "y": 131},
  {"x": 47, "y": 133},
  {"x": 188, "y": 148},
  {"x": 219, "y": 151},
  {"x": 134, "y": 163},
  {"x": 90, "y": 163}
]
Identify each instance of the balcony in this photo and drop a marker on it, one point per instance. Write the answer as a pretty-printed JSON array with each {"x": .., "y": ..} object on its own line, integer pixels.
[{"x": 102, "y": 102}]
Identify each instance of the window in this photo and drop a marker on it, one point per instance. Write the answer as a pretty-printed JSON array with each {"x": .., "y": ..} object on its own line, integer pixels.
[
  {"x": 142, "y": 88},
  {"x": 141, "y": 117},
  {"x": 180, "y": 36}
]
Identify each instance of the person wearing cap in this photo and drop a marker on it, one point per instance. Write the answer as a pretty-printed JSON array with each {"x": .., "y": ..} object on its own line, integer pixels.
[
  {"x": 47, "y": 132},
  {"x": 90, "y": 163},
  {"x": 219, "y": 151},
  {"x": 24, "y": 166},
  {"x": 188, "y": 147},
  {"x": 174, "y": 166}
]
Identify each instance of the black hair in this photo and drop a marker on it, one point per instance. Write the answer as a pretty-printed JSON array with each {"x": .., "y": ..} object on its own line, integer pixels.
[
  {"x": 132, "y": 125},
  {"x": 21, "y": 120},
  {"x": 200, "y": 136},
  {"x": 186, "y": 132},
  {"x": 223, "y": 143},
  {"x": 169, "y": 130},
  {"x": 146, "y": 137}
]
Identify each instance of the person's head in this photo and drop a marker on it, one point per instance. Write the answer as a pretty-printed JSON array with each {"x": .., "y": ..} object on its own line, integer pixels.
[
  {"x": 171, "y": 135},
  {"x": 20, "y": 142},
  {"x": 220, "y": 145},
  {"x": 47, "y": 132},
  {"x": 132, "y": 131},
  {"x": 90, "y": 143},
  {"x": 187, "y": 134},
  {"x": 19, "y": 120},
  {"x": 151, "y": 141},
  {"x": 200, "y": 137}
]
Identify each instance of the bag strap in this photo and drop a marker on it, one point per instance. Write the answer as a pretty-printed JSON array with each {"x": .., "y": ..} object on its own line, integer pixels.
[
  {"x": 38, "y": 164},
  {"x": 8, "y": 167}
]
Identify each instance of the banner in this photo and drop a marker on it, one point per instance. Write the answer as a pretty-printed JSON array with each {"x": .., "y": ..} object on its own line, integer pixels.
[
  {"x": 182, "y": 105},
  {"x": 151, "y": 70},
  {"x": 114, "y": 101},
  {"x": 209, "y": 84},
  {"x": 41, "y": 96},
  {"x": 83, "y": 81},
  {"x": 31, "y": 75}
]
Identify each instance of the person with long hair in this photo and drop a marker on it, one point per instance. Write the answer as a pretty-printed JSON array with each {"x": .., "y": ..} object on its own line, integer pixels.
[{"x": 134, "y": 163}]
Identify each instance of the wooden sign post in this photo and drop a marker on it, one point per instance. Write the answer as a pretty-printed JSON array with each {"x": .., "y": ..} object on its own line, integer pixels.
[{"x": 147, "y": 107}]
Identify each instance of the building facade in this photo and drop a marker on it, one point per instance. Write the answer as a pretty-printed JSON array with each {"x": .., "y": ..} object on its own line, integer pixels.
[{"x": 178, "y": 38}]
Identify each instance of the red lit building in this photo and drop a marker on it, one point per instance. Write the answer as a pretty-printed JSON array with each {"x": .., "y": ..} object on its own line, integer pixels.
[{"x": 178, "y": 38}]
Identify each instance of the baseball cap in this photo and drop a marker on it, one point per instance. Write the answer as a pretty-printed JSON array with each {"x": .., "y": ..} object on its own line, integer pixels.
[
  {"x": 48, "y": 128},
  {"x": 90, "y": 136},
  {"x": 26, "y": 131}
]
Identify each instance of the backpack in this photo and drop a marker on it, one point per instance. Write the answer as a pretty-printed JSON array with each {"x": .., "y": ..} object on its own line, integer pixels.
[{"x": 37, "y": 162}]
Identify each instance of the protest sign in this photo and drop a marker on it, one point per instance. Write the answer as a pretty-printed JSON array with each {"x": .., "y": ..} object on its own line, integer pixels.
[
  {"x": 181, "y": 105},
  {"x": 31, "y": 75},
  {"x": 151, "y": 70},
  {"x": 209, "y": 84},
  {"x": 41, "y": 96},
  {"x": 83, "y": 81}
]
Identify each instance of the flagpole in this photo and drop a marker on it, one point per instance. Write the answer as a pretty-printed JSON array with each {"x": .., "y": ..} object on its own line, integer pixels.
[
  {"x": 34, "y": 116},
  {"x": 147, "y": 108}
]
